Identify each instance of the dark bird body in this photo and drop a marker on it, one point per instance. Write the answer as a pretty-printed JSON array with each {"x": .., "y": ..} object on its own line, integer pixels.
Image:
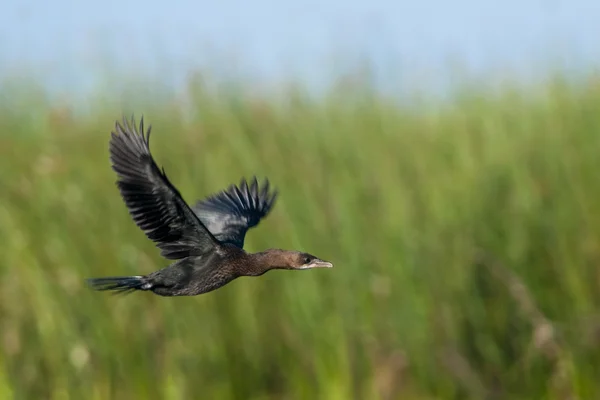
[{"x": 206, "y": 242}]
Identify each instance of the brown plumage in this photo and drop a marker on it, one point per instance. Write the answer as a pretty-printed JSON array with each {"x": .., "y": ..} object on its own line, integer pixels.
[{"x": 206, "y": 242}]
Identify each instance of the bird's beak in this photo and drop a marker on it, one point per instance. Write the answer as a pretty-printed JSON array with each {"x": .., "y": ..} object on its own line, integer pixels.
[{"x": 319, "y": 264}]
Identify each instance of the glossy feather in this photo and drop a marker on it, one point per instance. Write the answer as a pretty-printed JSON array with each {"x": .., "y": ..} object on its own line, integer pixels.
[
  {"x": 153, "y": 202},
  {"x": 230, "y": 213}
]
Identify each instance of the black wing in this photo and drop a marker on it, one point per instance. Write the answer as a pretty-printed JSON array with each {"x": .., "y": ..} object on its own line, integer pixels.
[
  {"x": 154, "y": 203},
  {"x": 230, "y": 213}
]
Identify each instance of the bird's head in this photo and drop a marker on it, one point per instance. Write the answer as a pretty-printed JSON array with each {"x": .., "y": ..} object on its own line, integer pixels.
[{"x": 299, "y": 260}]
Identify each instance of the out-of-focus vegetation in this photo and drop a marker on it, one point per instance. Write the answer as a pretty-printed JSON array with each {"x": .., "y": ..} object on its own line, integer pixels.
[{"x": 465, "y": 238}]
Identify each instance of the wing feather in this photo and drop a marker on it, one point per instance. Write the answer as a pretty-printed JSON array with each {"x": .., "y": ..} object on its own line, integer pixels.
[
  {"x": 230, "y": 213},
  {"x": 155, "y": 205}
]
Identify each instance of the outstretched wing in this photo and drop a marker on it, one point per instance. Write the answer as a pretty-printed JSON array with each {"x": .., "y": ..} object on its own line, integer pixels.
[
  {"x": 153, "y": 202},
  {"x": 230, "y": 213}
]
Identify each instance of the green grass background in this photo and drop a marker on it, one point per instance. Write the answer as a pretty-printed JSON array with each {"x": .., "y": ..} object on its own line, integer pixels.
[{"x": 465, "y": 238}]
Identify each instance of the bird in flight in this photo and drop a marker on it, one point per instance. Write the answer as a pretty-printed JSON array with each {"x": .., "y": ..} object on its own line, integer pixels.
[{"x": 204, "y": 243}]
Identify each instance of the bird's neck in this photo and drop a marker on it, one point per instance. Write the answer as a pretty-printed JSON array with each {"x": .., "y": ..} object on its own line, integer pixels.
[{"x": 263, "y": 261}]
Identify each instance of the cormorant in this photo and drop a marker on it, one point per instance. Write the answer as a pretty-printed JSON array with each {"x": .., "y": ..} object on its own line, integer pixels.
[{"x": 206, "y": 242}]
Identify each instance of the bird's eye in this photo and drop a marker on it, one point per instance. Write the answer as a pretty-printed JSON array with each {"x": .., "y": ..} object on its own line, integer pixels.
[{"x": 306, "y": 260}]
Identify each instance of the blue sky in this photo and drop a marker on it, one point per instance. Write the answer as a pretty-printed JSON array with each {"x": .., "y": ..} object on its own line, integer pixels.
[{"x": 69, "y": 43}]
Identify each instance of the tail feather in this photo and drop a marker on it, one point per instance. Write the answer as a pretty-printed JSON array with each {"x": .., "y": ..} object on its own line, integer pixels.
[{"x": 123, "y": 284}]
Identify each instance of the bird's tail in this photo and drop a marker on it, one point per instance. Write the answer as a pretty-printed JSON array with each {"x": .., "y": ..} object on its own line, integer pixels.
[{"x": 123, "y": 284}]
